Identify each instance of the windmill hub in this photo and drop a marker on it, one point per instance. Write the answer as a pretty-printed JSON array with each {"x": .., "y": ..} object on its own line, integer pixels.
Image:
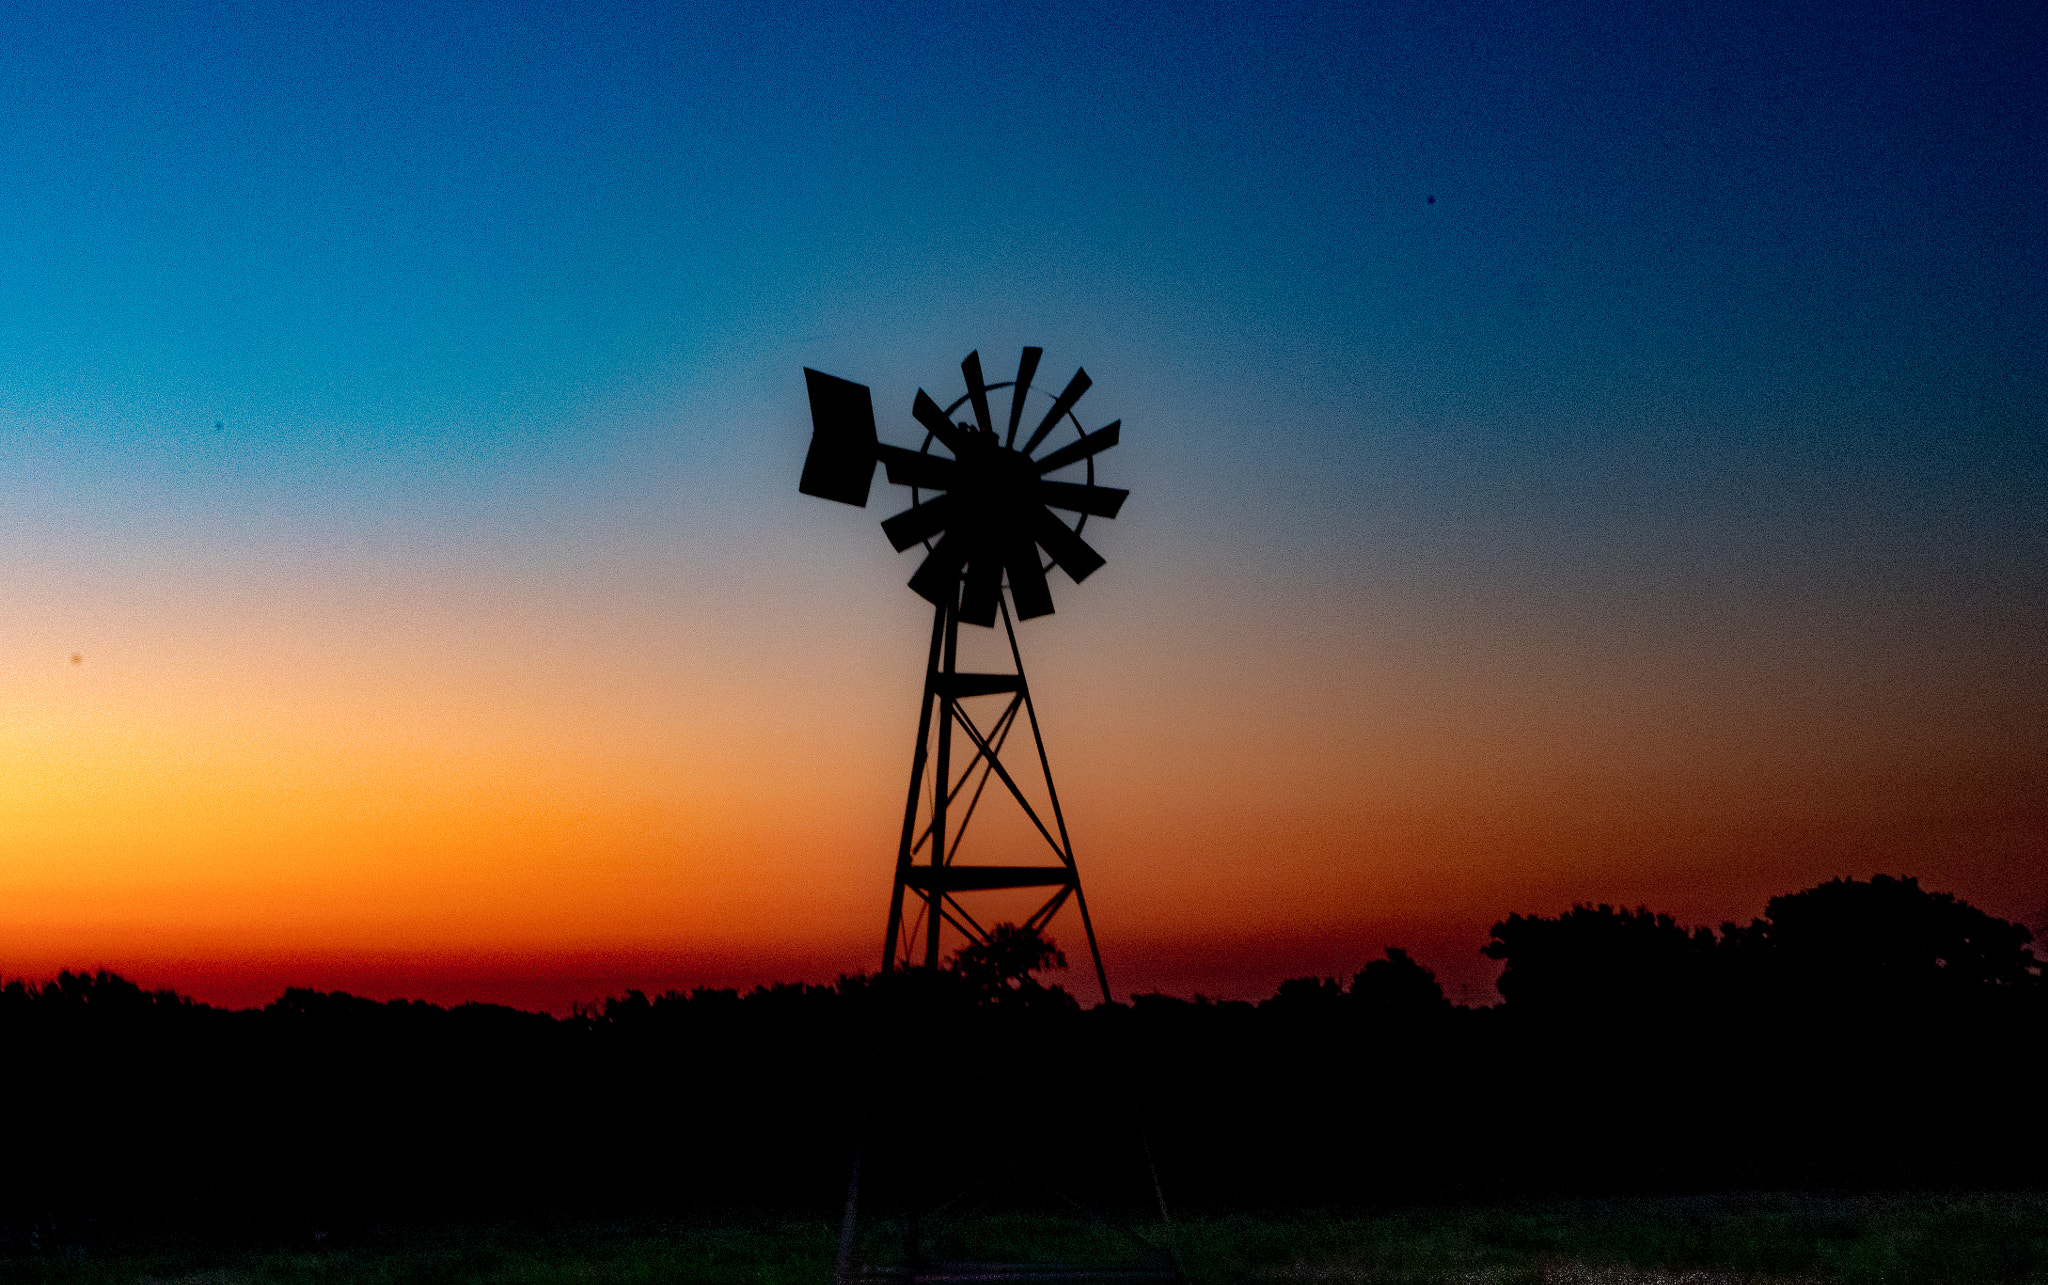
[{"x": 994, "y": 484}]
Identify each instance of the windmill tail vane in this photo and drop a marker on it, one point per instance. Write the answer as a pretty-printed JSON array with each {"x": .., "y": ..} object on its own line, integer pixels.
[{"x": 992, "y": 507}]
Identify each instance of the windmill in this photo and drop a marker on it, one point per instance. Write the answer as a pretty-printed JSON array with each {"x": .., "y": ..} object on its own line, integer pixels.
[
  {"x": 987, "y": 512},
  {"x": 986, "y": 508}
]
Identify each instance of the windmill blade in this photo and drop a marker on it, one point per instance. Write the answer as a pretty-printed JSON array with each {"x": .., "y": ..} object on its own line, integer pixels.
[
  {"x": 928, "y": 414},
  {"x": 916, "y": 468},
  {"x": 938, "y": 579},
  {"x": 1070, "y": 551},
  {"x": 1075, "y": 387},
  {"x": 977, "y": 391},
  {"x": 1026, "y": 368},
  {"x": 1073, "y": 452},
  {"x": 1096, "y": 501},
  {"x": 1027, "y": 579},
  {"x": 919, "y": 522},
  {"x": 841, "y": 462},
  {"x": 984, "y": 588}
]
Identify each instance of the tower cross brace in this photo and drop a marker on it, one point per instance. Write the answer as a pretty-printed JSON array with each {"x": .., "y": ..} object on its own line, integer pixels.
[{"x": 925, "y": 867}]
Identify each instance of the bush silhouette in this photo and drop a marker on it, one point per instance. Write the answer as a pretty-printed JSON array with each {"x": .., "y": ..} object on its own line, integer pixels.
[
  {"x": 1599, "y": 961},
  {"x": 1858, "y": 1034},
  {"x": 999, "y": 971},
  {"x": 1397, "y": 989},
  {"x": 1847, "y": 942}
]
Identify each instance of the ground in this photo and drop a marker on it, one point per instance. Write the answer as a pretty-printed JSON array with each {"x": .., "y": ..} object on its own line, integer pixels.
[{"x": 1708, "y": 1240}]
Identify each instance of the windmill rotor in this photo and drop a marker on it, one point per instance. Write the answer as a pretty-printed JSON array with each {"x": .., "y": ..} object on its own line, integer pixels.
[{"x": 993, "y": 507}]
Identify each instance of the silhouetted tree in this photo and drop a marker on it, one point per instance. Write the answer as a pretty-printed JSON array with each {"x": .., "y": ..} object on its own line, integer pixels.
[
  {"x": 1881, "y": 942},
  {"x": 999, "y": 971},
  {"x": 105, "y": 995},
  {"x": 1312, "y": 997},
  {"x": 1599, "y": 961},
  {"x": 1397, "y": 989},
  {"x": 1857, "y": 1033}
]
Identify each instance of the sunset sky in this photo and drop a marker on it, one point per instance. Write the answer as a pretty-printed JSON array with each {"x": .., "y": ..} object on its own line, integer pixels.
[{"x": 1577, "y": 453}]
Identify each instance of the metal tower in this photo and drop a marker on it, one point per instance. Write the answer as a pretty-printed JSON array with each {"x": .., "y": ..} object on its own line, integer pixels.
[{"x": 937, "y": 880}]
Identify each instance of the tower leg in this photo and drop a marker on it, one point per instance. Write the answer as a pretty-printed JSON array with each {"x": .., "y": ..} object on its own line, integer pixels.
[
  {"x": 849, "y": 1222},
  {"x": 1094, "y": 951},
  {"x": 1059, "y": 817},
  {"x": 924, "y": 731},
  {"x": 942, "y": 786}
]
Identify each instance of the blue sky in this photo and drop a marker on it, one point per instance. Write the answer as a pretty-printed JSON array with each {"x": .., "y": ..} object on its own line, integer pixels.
[{"x": 1661, "y": 236}]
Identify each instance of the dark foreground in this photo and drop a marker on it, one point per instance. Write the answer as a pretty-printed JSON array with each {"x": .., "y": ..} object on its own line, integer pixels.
[
  {"x": 1716, "y": 1240},
  {"x": 1862, "y": 1036}
]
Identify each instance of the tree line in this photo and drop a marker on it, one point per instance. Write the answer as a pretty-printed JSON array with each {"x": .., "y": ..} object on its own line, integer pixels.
[{"x": 1859, "y": 1034}]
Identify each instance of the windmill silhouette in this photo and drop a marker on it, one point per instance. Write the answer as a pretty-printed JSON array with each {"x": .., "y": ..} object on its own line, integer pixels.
[
  {"x": 983, "y": 510},
  {"x": 986, "y": 508}
]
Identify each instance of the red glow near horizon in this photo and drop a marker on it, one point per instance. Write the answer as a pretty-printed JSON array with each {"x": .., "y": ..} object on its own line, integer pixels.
[{"x": 555, "y": 981}]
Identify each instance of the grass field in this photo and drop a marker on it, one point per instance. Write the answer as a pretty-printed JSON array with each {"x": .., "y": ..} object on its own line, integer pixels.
[{"x": 1718, "y": 1240}]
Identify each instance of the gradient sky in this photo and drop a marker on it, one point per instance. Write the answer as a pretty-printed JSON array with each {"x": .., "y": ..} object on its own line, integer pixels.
[{"x": 1578, "y": 453}]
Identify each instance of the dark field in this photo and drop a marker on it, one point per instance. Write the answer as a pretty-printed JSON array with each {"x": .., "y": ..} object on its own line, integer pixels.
[
  {"x": 1864, "y": 1037},
  {"x": 1894, "y": 1239}
]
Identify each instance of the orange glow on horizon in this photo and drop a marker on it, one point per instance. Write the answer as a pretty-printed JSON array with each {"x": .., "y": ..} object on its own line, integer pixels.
[{"x": 372, "y": 781}]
